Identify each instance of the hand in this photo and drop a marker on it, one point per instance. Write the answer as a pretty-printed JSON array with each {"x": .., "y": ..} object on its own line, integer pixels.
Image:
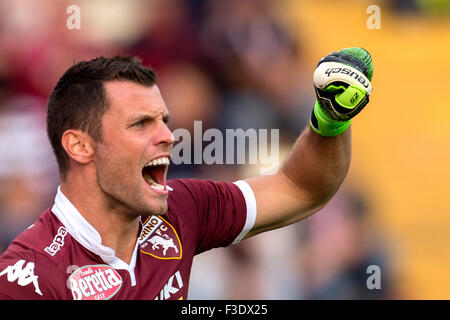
[{"x": 342, "y": 84}]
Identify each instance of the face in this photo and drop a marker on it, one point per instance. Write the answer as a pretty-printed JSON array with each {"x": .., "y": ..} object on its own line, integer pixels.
[{"x": 132, "y": 158}]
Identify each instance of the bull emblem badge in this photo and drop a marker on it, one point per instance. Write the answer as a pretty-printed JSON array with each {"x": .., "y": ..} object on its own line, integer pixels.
[
  {"x": 164, "y": 241},
  {"x": 160, "y": 239}
]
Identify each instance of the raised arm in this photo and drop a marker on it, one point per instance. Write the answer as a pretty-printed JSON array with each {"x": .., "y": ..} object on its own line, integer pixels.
[{"x": 320, "y": 158}]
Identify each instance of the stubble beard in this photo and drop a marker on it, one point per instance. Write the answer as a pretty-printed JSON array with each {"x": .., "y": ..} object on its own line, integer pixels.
[{"x": 129, "y": 197}]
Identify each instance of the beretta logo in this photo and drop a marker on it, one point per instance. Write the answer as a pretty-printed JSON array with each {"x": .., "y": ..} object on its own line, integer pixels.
[
  {"x": 159, "y": 239},
  {"x": 96, "y": 282}
]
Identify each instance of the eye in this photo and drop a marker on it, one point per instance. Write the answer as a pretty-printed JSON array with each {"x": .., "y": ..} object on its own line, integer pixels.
[{"x": 140, "y": 124}]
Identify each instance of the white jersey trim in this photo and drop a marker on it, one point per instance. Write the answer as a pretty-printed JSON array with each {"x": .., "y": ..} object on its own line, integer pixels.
[
  {"x": 82, "y": 231},
  {"x": 250, "y": 202}
]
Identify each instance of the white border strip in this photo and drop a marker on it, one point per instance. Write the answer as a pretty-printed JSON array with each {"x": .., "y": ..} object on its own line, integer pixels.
[{"x": 250, "y": 202}]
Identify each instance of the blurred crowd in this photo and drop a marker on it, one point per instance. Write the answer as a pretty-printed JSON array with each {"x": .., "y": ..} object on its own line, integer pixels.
[{"x": 230, "y": 64}]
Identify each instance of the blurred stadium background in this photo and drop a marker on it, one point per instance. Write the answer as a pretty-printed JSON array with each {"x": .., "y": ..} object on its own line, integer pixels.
[{"x": 249, "y": 64}]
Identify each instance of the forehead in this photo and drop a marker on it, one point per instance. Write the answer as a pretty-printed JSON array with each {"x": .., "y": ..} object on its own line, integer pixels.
[{"x": 129, "y": 98}]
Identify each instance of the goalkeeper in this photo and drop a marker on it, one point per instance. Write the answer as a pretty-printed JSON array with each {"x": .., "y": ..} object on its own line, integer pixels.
[{"x": 118, "y": 229}]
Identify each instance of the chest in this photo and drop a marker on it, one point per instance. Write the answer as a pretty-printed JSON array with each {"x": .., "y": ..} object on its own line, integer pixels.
[
  {"x": 160, "y": 269},
  {"x": 151, "y": 278}
]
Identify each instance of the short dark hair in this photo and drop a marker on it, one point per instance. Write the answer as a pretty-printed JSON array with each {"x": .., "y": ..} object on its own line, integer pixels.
[{"x": 79, "y": 99}]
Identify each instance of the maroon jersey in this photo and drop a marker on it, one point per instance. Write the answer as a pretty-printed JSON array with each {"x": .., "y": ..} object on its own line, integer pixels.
[{"x": 61, "y": 256}]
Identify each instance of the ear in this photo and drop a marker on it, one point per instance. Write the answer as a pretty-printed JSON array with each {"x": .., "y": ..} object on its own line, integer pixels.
[{"x": 78, "y": 145}]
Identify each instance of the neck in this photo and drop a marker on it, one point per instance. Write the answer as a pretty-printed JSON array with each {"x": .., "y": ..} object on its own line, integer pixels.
[{"x": 117, "y": 228}]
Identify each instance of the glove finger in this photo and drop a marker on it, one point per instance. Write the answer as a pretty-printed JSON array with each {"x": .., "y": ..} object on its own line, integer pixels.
[{"x": 359, "y": 59}]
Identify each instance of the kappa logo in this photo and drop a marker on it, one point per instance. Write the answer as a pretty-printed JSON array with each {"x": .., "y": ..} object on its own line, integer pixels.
[
  {"x": 159, "y": 239},
  {"x": 96, "y": 282},
  {"x": 23, "y": 276},
  {"x": 57, "y": 243}
]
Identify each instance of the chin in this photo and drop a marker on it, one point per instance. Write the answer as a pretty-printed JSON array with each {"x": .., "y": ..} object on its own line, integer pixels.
[{"x": 159, "y": 210}]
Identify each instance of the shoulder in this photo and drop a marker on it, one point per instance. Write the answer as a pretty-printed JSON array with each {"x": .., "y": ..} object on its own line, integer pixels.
[
  {"x": 217, "y": 213},
  {"x": 195, "y": 189},
  {"x": 27, "y": 270},
  {"x": 203, "y": 197},
  {"x": 27, "y": 274},
  {"x": 41, "y": 236}
]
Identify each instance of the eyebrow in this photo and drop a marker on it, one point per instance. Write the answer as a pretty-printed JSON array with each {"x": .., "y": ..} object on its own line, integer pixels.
[
  {"x": 166, "y": 117},
  {"x": 146, "y": 117}
]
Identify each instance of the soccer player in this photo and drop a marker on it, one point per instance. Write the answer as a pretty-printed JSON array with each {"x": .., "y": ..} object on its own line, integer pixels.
[{"x": 118, "y": 229}]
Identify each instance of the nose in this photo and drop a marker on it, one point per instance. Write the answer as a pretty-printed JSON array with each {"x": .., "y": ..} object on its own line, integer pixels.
[{"x": 164, "y": 135}]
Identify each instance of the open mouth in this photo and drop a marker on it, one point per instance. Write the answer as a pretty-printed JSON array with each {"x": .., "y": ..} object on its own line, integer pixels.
[{"x": 154, "y": 172}]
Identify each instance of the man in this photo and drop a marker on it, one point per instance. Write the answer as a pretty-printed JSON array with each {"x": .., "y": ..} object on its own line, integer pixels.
[{"x": 118, "y": 229}]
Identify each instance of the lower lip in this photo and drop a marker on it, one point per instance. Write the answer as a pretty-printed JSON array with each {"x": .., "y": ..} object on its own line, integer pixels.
[{"x": 164, "y": 192}]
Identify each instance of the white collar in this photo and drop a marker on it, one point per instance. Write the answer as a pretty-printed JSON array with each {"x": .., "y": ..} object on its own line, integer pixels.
[{"x": 82, "y": 231}]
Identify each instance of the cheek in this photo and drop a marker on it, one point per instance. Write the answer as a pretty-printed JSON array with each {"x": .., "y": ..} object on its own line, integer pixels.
[
  {"x": 116, "y": 166},
  {"x": 118, "y": 183},
  {"x": 115, "y": 151}
]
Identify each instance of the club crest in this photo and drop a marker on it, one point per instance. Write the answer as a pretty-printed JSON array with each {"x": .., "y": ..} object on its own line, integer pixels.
[{"x": 159, "y": 239}]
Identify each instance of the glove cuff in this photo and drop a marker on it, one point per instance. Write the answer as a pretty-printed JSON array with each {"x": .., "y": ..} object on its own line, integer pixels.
[{"x": 324, "y": 125}]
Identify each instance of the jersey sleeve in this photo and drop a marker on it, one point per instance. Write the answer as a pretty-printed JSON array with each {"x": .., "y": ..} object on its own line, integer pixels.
[
  {"x": 29, "y": 276},
  {"x": 219, "y": 213}
]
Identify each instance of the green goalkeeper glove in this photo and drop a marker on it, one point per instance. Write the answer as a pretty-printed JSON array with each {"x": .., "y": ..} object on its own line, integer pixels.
[{"x": 342, "y": 84}]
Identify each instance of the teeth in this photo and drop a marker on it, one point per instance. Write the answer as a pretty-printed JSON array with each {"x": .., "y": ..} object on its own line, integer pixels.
[
  {"x": 157, "y": 187},
  {"x": 158, "y": 162},
  {"x": 149, "y": 179},
  {"x": 153, "y": 183}
]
